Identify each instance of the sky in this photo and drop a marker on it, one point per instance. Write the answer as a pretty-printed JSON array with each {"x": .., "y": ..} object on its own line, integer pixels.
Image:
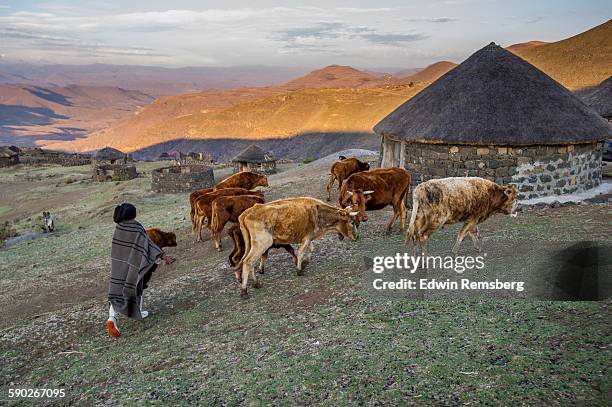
[{"x": 364, "y": 34}]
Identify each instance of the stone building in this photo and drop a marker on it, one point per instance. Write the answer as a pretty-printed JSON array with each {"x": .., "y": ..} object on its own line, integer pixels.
[
  {"x": 254, "y": 159},
  {"x": 110, "y": 164},
  {"x": 182, "y": 178},
  {"x": 8, "y": 157},
  {"x": 498, "y": 117}
]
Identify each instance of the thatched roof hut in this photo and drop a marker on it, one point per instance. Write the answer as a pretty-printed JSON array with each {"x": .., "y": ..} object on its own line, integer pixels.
[
  {"x": 110, "y": 154},
  {"x": 8, "y": 157},
  {"x": 495, "y": 98},
  {"x": 254, "y": 159},
  {"x": 497, "y": 116},
  {"x": 600, "y": 98}
]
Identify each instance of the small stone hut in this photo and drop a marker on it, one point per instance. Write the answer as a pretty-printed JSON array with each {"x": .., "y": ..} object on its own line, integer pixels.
[
  {"x": 182, "y": 178},
  {"x": 254, "y": 159},
  {"x": 110, "y": 164},
  {"x": 8, "y": 157},
  {"x": 498, "y": 117}
]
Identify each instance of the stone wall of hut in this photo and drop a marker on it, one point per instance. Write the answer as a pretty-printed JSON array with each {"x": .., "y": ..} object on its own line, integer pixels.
[
  {"x": 63, "y": 160},
  {"x": 536, "y": 170},
  {"x": 266, "y": 168},
  {"x": 182, "y": 178},
  {"x": 113, "y": 172},
  {"x": 9, "y": 161}
]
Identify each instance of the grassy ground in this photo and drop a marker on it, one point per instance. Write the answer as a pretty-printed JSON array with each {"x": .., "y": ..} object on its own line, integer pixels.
[{"x": 317, "y": 339}]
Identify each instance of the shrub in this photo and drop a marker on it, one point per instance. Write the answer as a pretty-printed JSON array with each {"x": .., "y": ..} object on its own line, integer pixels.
[
  {"x": 6, "y": 231},
  {"x": 308, "y": 160}
]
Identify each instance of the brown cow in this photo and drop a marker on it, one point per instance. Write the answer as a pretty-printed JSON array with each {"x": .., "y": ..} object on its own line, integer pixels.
[
  {"x": 203, "y": 205},
  {"x": 446, "y": 201},
  {"x": 376, "y": 189},
  {"x": 238, "y": 251},
  {"x": 246, "y": 180},
  {"x": 160, "y": 238},
  {"x": 227, "y": 209},
  {"x": 289, "y": 221},
  {"x": 343, "y": 169}
]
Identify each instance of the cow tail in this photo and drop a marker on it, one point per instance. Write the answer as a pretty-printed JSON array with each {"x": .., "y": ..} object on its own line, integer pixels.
[
  {"x": 413, "y": 215},
  {"x": 246, "y": 237}
]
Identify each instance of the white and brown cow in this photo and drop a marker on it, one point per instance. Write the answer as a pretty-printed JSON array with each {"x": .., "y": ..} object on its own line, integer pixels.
[
  {"x": 289, "y": 221},
  {"x": 446, "y": 201},
  {"x": 376, "y": 189}
]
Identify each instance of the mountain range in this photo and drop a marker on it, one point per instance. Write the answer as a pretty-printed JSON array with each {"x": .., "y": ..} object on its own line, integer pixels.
[{"x": 329, "y": 104}]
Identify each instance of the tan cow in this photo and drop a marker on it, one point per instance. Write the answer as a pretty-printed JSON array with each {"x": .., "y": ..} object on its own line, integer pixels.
[
  {"x": 238, "y": 251},
  {"x": 246, "y": 180},
  {"x": 203, "y": 205},
  {"x": 227, "y": 209},
  {"x": 343, "y": 169},
  {"x": 446, "y": 201},
  {"x": 289, "y": 221},
  {"x": 160, "y": 238},
  {"x": 376, "y": 189}
]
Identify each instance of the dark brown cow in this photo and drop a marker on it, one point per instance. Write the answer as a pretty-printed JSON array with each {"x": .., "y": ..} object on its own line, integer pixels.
[
  {"x": 160, "y": 238},
  {"x": 343, "y": 169},
  {"x": 246, "y": 180},
  {"x": 377, "y": 189},
  {"x": 446, "y": 201},
  {"x": 203, "y": 205},
  {"x": 227, "y": 209},
  {"x": 289, "y": 221},
  {"x": 238, "y": 251}
]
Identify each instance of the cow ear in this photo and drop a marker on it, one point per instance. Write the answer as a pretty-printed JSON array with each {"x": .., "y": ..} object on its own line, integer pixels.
[{"x": 509, "y": 190}]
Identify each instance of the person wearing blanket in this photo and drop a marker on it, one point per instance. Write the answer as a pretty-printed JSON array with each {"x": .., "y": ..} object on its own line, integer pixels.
[{"x": 134, "y": 257}]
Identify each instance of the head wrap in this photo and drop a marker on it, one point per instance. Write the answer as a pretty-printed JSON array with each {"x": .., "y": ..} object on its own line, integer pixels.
[{"x": 123, "y": 212}]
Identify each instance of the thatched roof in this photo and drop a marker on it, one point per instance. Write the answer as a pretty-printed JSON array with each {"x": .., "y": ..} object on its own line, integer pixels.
[
  {"x": 600, "y": 98},
  {"x": 253, "y": 154},
  {"x": 109, "y": 153},
  {"x": 495, "y": 97},
  {"x": 6, "y": 152}
]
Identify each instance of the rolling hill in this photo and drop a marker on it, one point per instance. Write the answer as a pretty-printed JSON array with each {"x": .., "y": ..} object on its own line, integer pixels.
[
  {"x": 31, "y": 114},
  {"x": 338, "y": 76},
  {"x": 577, "y": 62},
  {"x": 430, "y": 73}
]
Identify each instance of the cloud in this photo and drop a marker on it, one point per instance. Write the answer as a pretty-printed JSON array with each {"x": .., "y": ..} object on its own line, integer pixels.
[
  {"x": 323, "y": 35},
  {"x": 534, "y": 20},
  {"x": 432, "y": 19}
]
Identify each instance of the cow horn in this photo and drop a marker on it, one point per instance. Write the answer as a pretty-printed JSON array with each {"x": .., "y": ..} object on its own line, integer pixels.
[
  {"x": 348, "y": 208},
  {"x": 349, "y": 193},
  {"x": 353, "y": 213},
  {"x": 368, "y": 192}
]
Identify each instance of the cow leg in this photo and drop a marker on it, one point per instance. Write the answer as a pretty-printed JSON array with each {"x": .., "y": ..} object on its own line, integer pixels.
[
  {"x": 474, "y": 234},
  {"x": 393, "y": 219},
  {"x": 217, "y": 238},
  {"x": 462, "y": 233},
  {"x": 330, "y": 184},
  {"x": 262, "y": 261},
  {"x": 300, "y": 255},
  {"x": 307, "y": 254},
  {"x": 290, "y": 250}
]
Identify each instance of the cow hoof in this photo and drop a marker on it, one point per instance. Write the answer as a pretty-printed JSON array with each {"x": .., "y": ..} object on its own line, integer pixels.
[
  {"x": 219, "y": 249},
  {"x": 257, "y": 285},
  {"x": 260, "y": 271},
  {"x": 244, "y": 294},
  {"x": 300, "y": 272}
]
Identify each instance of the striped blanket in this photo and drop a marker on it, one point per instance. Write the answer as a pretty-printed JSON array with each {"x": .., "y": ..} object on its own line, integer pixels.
[{"x": 133, "y": 257}]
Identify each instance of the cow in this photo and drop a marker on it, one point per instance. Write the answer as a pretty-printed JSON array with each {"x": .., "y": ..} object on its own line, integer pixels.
[
  {"x": 238, "y": 251},
  {"x": 376, "y": 189},
  {"x": 446, "y": 201},
  {"x": 289, "y": 221},
  {"x": 227, "y": 209},
  {"x": 343, "y": 169},
  {"x": 246, "y": 180},
  {"x": 203, "y": 205},
  {"x": 160, "y": 238}
]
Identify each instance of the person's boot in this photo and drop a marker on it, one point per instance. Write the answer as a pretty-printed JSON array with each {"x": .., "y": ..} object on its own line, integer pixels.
[
  {"x": 112, "y": 327},
  {"x": 143, "y": 313}
]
